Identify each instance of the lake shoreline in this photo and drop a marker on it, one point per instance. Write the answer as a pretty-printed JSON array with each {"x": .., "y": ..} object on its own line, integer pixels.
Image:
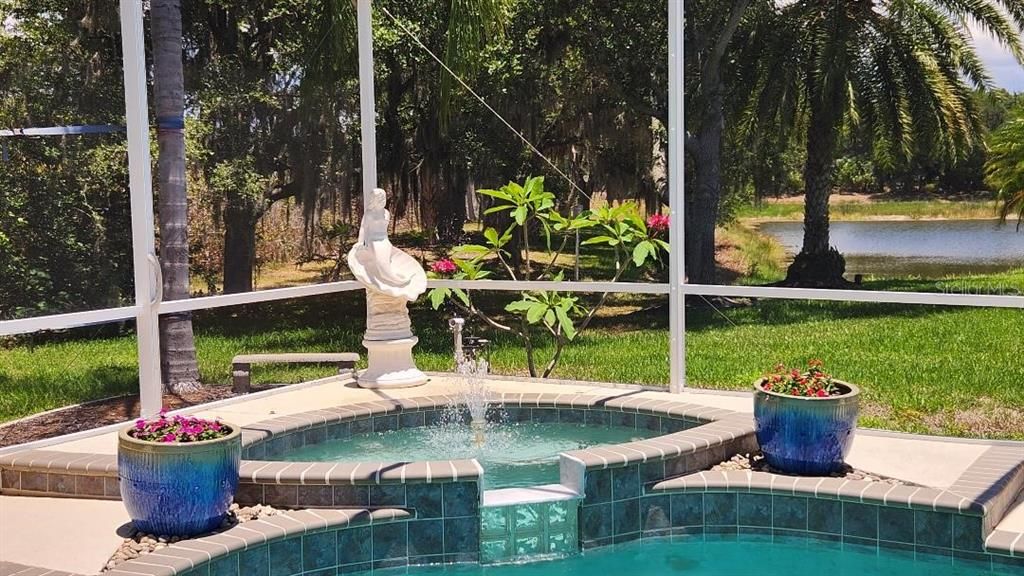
[{"x": 875, "y": 208}]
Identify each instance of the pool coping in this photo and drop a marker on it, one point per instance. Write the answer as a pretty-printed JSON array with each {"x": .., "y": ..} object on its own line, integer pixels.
[{"x": 986, "y": 490}]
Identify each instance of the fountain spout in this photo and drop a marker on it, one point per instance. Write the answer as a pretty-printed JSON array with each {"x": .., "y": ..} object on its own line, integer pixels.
[{"x": 455, "y": 325}]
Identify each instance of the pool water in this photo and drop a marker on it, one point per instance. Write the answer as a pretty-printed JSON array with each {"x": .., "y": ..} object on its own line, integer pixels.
[
  {"x": 514, "y": 454},
  {"x": 661, "y": 557}
]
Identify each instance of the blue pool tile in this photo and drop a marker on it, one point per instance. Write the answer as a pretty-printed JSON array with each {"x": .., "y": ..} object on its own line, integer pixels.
[
  {"x": 719, "y": 509},
  {"x": 597, "y": 487},
  {"x": 562, "y": 514},
  {"x": 361, "y": 568},
  {"x": 426, "y": 537},
  {"x": 754, "y": 509},
  {"x": 864, "y": 545},
  {"x": 432, "y": 417},
  {"x": 461, "y": 499},
  {"x": 896, "y": 524},
  {"x": 425, "y": 499},
  {"x": 933, "y": 529},
  {"x": 526, "y": 545},
  {"x": 825, "y": 516},
  {"x": 648, "y": 422},
  {"x": 362, "y": 426},
  {"x": 571, "y": 416},
  {"x": 626, "y": 482},
  {"x": 226, "y": 566},
  {"x": 314, "y": 435},
  {"x": 387, "y": 495},
  {"x": 967, "y": 533},
  {"x": 652, "y": 472},
  {"x": 351, "y": 496},
  {"x": 461, "y": 535},
  {"x": 413, "y": 419},
  {"x": 789, "y": 512},
  {"x": 494, "y": 521},
  {"x": 860, "y": 520},
  {"x": 355, "y": 545},
  {"x": 254, "y": 561},
  {"x": 597, "y": 418},
  {"x": 671, "y": 425},
  {"x": 286, "y": 557},
  {"x": 390, "y": 541},
  {"x": 971, "y": 561},
  {"x": 385, "y": 423},
  {"x": 655, "y": 513},
  {"x": 527, "y": 518},
  {"x": 596, "y": 522},
  {"x": 1007, "y": 565},
  {"x": 391, "y": 564},
  {"x": 687, "y": 510},
  {"x": 545, "y": 415},
  {"x": 315, "y": 495},
  {"x": 626, "y": 516},
  {"x": 628, "y": 537},
  {"x": 623, "y": 419},
  {"x": 319, "y": 551},
  {"x": 294, "y": 439},
  {"x": 339, "y": 430}
]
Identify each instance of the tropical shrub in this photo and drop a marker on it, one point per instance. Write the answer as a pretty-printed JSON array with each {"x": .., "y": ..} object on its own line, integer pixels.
[{"x": 636, "y": 245}]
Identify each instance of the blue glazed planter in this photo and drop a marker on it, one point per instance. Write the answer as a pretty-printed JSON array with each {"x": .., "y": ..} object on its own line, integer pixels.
[
  {"x": 809, "y": 436},
  {"x": 178, "y": 489}
]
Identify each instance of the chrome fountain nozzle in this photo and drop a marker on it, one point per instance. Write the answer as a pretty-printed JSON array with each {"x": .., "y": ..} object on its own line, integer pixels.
[{"x": 455, "y": 325}]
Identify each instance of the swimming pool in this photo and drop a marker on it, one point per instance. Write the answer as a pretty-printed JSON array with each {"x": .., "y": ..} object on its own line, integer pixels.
[
  {"x": 513, "y": 454},
  {"x": 724, "y": 556}
]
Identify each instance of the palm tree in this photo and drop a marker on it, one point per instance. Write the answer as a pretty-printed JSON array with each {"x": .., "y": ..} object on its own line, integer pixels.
[
  {"x": 1004, "y": 170},
  {"x": 177, "y": 346},
  {"x": 898, "y": 71}
]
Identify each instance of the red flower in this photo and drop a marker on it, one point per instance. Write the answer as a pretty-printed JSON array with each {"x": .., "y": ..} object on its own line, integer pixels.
[
  {"x": 444, "y": 267},
  {"x": 658, "y": 223}
]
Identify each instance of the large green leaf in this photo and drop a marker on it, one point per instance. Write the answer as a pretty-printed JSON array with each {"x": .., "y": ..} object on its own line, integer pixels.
[
  {"x": 565, "y": 323},
  {"x": 500, "y": 194},
  {"x": 438, "y": 296},
  {"x": 520, "y": 214},
  {"x": 536, "y": 312}
]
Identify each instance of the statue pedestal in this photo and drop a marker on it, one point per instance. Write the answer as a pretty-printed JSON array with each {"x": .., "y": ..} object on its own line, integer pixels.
[{"x": 391, "y": 364}]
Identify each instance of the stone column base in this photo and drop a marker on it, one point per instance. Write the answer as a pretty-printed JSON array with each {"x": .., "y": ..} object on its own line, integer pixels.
[{"x": 391, "y": 365}]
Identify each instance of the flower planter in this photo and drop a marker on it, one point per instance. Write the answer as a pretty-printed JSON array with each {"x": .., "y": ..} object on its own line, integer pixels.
[
  {"x": 806, "y": 435},
  {"x": 178, "y": 489}
]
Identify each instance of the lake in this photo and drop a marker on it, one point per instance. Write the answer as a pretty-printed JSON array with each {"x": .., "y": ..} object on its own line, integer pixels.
[{"x": 926, "y": 248}]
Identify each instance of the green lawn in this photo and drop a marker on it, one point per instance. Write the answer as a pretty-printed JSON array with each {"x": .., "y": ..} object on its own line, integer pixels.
[
  {"x": 913, "y": 209},
  {"x": 923, "y": 369}
]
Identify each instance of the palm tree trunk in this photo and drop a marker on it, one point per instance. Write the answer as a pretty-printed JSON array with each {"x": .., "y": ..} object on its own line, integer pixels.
[
  {"x": 177, "y": 346},
  {"x": 818, "y": 179},
  {"x": 818, "y": 264}
]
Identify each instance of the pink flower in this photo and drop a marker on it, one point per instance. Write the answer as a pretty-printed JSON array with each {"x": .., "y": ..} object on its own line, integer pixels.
[
  {"x": 140, "y": 424},
  {"x": 658, "y": 223},
  {"x": 169, "y": 438},
  {"x": 444, "y": 267}
]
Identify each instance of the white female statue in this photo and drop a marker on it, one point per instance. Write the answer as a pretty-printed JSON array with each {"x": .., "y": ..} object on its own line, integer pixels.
[{"x": 392, "y": 279}]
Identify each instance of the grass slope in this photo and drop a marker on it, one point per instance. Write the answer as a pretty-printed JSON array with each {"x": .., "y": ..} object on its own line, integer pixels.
[{"x": 952, "y": 371}]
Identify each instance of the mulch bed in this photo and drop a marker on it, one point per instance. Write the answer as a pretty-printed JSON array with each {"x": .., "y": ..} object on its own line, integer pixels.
[{"x": 99, "y": 413}]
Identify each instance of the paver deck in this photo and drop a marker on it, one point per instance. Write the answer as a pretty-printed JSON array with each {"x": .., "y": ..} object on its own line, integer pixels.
[{"x": 88, "y": 529}]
